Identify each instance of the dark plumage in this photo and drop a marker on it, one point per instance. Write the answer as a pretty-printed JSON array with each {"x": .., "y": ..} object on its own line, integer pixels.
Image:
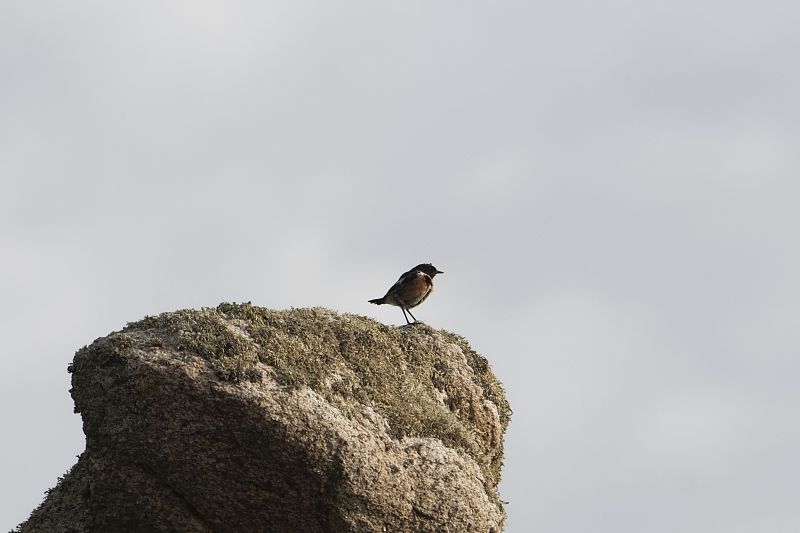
[{"x": 411, "y": 289}]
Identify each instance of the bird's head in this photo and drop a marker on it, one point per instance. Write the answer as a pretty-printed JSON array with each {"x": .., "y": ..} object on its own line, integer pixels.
[{"x": 428, "y": 269}]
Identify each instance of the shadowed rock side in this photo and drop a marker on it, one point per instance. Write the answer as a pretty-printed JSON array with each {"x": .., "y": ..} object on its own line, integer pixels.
[{"x": 245, "y": 419}]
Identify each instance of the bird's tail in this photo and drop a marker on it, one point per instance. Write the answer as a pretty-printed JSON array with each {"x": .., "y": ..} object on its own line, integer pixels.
[{"x": 378, "y": 301}]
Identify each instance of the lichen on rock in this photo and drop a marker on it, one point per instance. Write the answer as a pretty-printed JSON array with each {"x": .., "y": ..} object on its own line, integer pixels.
[{"x": 241, "y": 418}]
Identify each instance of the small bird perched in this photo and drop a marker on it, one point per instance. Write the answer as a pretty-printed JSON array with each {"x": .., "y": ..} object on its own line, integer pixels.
[{"x": 411, "y": 289}]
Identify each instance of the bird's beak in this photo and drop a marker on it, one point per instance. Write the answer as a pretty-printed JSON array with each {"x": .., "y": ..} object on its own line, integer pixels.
[{"x": 439, "y": 272}]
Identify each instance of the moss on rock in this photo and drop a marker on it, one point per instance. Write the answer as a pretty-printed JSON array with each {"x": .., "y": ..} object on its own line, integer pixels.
[
  {"x": 240, "y": 418},
  {"x": 352, "y": 361}
]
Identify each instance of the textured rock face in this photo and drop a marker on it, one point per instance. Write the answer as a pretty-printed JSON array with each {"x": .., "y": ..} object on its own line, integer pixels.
[{"x": 245, "y": 419}]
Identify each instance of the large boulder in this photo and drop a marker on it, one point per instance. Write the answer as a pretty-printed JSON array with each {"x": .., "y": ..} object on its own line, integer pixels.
[{"x": 244, "y": 419}]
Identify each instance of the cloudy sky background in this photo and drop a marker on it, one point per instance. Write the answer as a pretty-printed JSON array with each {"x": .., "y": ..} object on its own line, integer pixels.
[{"x": 612, "y": 189}]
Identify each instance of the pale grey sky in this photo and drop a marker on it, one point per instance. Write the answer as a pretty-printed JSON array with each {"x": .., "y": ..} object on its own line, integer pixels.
[{"x": 611, "y": 188}]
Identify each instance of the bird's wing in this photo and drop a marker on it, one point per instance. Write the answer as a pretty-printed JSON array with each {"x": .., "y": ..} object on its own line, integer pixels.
[
  {"x": 404, "y": 280},
  {"x": 407, "y": 276}
]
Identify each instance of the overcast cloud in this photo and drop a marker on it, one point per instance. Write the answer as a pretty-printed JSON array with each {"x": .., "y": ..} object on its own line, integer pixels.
[{"x": 611, "y": 188}]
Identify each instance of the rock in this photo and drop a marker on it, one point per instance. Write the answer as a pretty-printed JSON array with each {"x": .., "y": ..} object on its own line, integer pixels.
[{"x": 246, "y": 419}]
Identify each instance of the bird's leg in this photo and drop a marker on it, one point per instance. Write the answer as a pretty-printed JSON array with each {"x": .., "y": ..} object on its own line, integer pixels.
[
  {"x": 412, "y": 316},
  {"x": 404, "y": 315}
]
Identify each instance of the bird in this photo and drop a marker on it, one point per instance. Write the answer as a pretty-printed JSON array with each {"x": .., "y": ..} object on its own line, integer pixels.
[{"x": 411, "y": 289}]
